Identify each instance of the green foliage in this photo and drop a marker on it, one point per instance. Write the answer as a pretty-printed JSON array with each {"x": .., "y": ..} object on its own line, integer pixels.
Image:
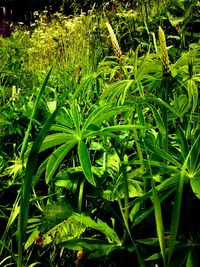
[{"x": 104, "y": 157}]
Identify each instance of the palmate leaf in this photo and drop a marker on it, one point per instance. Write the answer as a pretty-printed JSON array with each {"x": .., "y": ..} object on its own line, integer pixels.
[
  {"x": 162, "y": 104},
  {"x": 110, "y": 130},
  {"x": 56, "y": 158},
  {"x": 103, "y": 113},
  {"x": 119, "y": 90}
]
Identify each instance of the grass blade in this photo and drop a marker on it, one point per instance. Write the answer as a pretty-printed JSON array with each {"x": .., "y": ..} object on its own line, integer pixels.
[
  {"x": 25, "y": 141},
  {"x": 27, "y": 183}
]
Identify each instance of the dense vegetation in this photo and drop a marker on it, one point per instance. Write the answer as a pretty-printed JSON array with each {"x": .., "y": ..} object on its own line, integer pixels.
[{"x": 100, "y": 137}]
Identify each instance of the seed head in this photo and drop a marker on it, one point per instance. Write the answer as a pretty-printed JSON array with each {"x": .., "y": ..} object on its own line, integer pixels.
[
  {"x": 115, "y": 44},
  {"x": 164, "y": 53}
]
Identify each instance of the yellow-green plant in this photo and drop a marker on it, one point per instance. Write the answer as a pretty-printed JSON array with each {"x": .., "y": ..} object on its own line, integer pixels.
[{"x": 164, "y": 52}]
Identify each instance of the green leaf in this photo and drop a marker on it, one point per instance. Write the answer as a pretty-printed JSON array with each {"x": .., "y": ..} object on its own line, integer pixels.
[
  {"x": 31, "y": 238},
  {"x": 149, "y": 241},
  {"x": 62, "y": 128},
  {"x": 118, "y": 90},
  {"x": 41, "y": 91},
  {"x": 85, "y": 162},
  {"x": 182, "y": 141},
  {"x": 3, "y": 245},
  {"x": 163, "y": 154},
  {"x": 27, "y": 184},
  {"x": 100, "y": 226},
  {"x": 56, "y": 139},
  {"x": 178, "y": 201},
  {"x": 75, "y": 115},
  {"x": 192, "y": 94},
  {"x": 89, "y": 244},
  {"x": 56, "y": 158},
  {"x": 192, "y": 259},
  {"x": 40, "y": 171},
  {"x": 159, "y": 222},
  {"x": 66, "y": 230},
  {"x": 159, "y": 122},
  {"x": 162, "y": 103},
  {"x": 195, "y": 185},
  {"x": 103, "y": 113}
]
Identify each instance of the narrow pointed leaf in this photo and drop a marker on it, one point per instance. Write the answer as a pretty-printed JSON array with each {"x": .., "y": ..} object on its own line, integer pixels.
[
  {"x": 85, "y": 162},
  {"x": 56, "y": 158},
  {"x": 27, "y": 183}
]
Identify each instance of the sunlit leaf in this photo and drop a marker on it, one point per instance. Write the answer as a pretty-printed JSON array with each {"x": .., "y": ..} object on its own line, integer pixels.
[{"x": 85, "y": 162}]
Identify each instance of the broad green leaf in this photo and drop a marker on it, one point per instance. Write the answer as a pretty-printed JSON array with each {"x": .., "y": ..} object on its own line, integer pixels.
[
  {"x": 56, "y": 158},
  {"x": 100, "y": 226},
  {"x": 85, "y": 162}
]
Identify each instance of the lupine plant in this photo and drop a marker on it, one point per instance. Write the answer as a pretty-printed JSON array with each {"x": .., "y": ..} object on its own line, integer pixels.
[{"x": 105, "y": 167}]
